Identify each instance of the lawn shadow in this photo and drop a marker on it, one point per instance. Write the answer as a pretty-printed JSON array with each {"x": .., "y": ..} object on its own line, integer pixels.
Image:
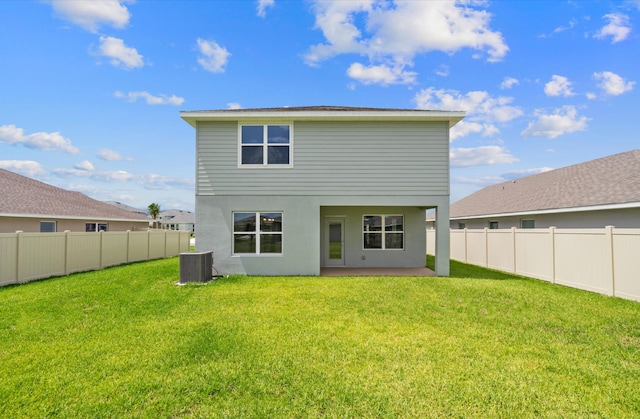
[{"x": 465, "y": 270}]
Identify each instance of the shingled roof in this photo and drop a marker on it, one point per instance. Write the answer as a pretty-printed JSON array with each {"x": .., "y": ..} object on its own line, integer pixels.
[
  {"x": 606, "y": 181},
  {"x": 23, "y": 196}
]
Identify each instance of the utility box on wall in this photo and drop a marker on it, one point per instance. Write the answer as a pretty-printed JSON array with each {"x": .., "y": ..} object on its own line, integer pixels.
[{"x": 196, "y": 267}]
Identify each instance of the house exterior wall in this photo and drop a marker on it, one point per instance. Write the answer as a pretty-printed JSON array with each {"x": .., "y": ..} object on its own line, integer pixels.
[
  {"x": 332, "y": 158},
  {"x": 621, "y": 218},
  {"x": 32, "y": 225},
  {"x": 344, "y": 168}
]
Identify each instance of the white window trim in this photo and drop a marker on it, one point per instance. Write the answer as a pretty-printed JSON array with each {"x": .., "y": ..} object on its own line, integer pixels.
[
  {"x": 257, "y": 233},
  {"x": 97, "y": 224},
  {"x": 383, "y": 232},
  {"x": 265, "y": 145}
]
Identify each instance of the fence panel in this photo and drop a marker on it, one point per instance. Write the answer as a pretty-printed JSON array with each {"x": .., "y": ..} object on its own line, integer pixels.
[
  {"x": 115, "y": 248},
  {"x": 172, "y": 245},
  {"x": 477, "y": 247},
  {"x": 500, "y": 251},
  {"x": 138, "y": 246},
  {"x": 457, "y": 244},
  {"x": 626, "y": 263},
  {"x": 534, "y": 254},
  {"x": 157, "y": 244},
  {"x": 580, "y": 260},
  {"x": 83, "y": 252},
  {"x": 41, "y": 255},
  {"x": 8, "y": 259}
]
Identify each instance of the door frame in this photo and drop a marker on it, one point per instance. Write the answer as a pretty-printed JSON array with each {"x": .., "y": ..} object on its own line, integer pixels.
[{"x": 328, "y": 221}]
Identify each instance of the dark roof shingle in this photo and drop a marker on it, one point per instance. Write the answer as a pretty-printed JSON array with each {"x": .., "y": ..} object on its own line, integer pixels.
[
  {"x": 609, "y": 180},
  {"x": 20, "y": 195}
]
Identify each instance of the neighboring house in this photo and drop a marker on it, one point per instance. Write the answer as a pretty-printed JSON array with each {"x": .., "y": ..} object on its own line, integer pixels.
[
  {"x": 286, "y": 191},
  {"x": 32, "y": 206},
  {"x": 594, "y": 194},
  {"x": 128, "y": 208},
  {"x": 177, "y": 220}
]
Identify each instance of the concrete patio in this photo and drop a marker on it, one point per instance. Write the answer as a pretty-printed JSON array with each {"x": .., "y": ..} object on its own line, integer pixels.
[{"x": 376, "y": 272}]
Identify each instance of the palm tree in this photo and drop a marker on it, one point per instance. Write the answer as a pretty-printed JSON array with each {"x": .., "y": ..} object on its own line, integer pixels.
[{"x": 154, "y": 210}]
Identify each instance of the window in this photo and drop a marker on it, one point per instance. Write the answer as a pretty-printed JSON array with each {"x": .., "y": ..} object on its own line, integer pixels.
[
  {"x": 47, "y": 226},
  {"x": 94, "y": 227},
  {"x": 383, "y": 232},
  {"x": 462, "y": 226},
  {"x": 527, "y": 224},
  {"x": 257, "y": 233},
  {"x": 493, "y": 225},
  {"x": 265, "y": 145}
]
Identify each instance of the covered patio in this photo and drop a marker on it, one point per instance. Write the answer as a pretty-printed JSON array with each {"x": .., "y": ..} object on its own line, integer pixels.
[{"x": 342, "y": 271}]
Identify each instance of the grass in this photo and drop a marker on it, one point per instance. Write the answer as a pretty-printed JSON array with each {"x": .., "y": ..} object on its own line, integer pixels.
[{"x": 128, "y": 342}]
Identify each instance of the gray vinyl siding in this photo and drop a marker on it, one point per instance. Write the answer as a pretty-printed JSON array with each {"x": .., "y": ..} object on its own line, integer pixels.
[{"x": 332, "y": 158}]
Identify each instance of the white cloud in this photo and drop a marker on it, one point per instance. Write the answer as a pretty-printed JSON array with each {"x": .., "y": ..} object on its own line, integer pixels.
[
  {"x": 111, "y": 155},
  {"x": 263, "y": 5},
  {"x": 234, "y": 105},
  {"x": 213, "y": 57},
  {"x": 562, "y": 121},
  {"x": 483, "y": 111},
  {"x": 39, "y": 140},
  {"x": 508, "y": 83},
  {"x": 558, "y": 86},
  {"x": 91, "y": 14},
  {"x": 612, "y": 83},
  {"x": 517, "y": 174},
  {"x": 85, "y": 165},
  {"x": 120, "y": 54},
  {"x": 26, "y": 167},
  {"x": 380, "y": 74},
  {"x": 442, "y": 70},
  {"x": 618, "y": 28},
  {"x": 393, "y": 32},
  {"x": 480, "y": 156},
  {"x": 151, "y": 99},
  {"x": 148, "y": 181}
]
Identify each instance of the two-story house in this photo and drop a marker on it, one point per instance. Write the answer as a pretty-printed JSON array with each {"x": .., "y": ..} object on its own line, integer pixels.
[{"x": 287, "y": 191}]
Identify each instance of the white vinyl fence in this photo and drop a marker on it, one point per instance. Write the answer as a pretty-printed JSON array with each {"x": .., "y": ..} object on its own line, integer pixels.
[
  {"x": 25, "y": 257},
  {"x": 604, "y": 260}
]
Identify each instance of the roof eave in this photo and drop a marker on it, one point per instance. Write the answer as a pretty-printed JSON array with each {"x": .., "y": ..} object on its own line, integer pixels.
[{"x": 452, "y": 117}]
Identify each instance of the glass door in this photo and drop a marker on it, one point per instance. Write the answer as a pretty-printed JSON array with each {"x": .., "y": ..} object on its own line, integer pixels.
[{"x": 334, "y": 238}]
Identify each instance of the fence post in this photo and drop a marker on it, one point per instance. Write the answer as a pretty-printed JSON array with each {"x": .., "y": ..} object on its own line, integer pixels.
[
  {"x": 67, "y": 253},
  {"x": 148, "y": 244},
  {"x": 486, "y": 247},
  {"x": 466, "y": 253},
  {"x": 101, "y": 248},
  {"x": 552, "y": 234},
  {"x": 18, "y": 253},
  {"x": 608, "y": 234},
  {"x": 513, "y": 244}
]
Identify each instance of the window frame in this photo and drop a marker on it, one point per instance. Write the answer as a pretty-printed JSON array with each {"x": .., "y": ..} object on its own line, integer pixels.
[
  {"x": 96, "y": 227},
  {"x": 258, "y": 235},
  {"x": 265, "y": 144},
  {"x": 55, "y": 226},
  {"x": 527, "y": 220},
  {"x": 383, "y": 232}
]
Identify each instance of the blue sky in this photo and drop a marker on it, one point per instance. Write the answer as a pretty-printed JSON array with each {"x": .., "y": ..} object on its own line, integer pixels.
[{"x": 90, "y": 91}]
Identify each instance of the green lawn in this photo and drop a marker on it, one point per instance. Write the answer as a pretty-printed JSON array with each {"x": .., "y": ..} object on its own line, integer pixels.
[{"x": 128, "y": 342}]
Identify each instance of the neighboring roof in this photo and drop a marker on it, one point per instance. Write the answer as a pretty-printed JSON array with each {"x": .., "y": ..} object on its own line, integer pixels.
[
  {"x": 127, "y": 207},
  {"x": 177, "y": 217},
  {"x": 327, "y": 113},
  {"x": 608, "y": 182},
  {"x": 21, "y": 196}
]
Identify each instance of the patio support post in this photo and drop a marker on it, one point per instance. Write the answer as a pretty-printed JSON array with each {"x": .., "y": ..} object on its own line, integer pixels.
[{"x": 443, "y": 248}]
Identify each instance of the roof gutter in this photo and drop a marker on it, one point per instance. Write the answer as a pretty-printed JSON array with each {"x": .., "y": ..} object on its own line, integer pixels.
[{"x": 604, "y": 207}]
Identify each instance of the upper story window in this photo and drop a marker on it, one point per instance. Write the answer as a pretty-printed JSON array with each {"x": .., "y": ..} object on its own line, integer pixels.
[{"x": 265, "y": 145}]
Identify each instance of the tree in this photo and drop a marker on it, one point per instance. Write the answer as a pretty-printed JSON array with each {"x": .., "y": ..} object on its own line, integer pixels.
[{"x": 154, "y": 210}]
